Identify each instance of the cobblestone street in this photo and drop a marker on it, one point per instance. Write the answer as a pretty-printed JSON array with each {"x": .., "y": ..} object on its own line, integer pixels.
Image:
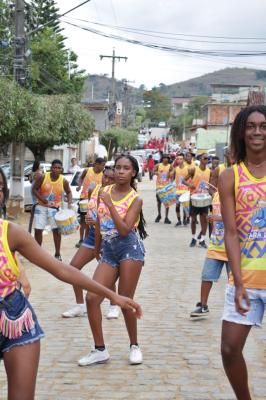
[{"x": 181, "y": 357}]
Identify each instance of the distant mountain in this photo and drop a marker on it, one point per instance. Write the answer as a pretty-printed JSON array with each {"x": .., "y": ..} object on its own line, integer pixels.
[
  {"x": 98, "y": 86},
  {"x": 201, "y": 84}
]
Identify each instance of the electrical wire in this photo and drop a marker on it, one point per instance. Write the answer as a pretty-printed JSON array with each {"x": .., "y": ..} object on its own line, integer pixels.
[
  {"x": 57, "y": 16},
  {"x": 182, "y": 50},
  {"x": 173, "y": 36}
]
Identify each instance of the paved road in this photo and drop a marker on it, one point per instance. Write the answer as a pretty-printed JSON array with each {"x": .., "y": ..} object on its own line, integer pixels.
[{"x": 181, "y": 357}]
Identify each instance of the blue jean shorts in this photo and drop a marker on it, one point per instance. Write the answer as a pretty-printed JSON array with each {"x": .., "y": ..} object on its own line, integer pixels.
[
  {"x": 89, "y": 240},
  {"x": 212, "y": 269},
  {"x": 254, "y": 316},
  {"x": 14, "y": 306},
  {"x": 119, "y": 248}
]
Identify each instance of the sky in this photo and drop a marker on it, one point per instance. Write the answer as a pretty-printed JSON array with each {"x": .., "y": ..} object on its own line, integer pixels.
[{"x": 226, "y": 18}]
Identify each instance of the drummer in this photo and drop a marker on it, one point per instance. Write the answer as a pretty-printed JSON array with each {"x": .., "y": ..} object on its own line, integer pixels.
[
  {"x": 89, "y": 178},
  {"x": 197, "y": 180},
  {"x": 49, "y": 190},
  {"x": 163, "y": 172},
  {"x": 180, "y": 173}
]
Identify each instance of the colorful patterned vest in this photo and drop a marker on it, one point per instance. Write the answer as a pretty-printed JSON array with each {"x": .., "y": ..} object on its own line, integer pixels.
[
  {"x": 9, "y": 273},
  {"x": 9, "y": 270},
  {"x": 92, "y": 205},
  {"x": 90, "y": 180},
  {"x": 52, "y": 191},
  {"x": 250, "y": 195},
  {"x": 180, "y": 174},
  {"x": 163, "y": 175},
  {"x": 200, "y": 180},
  {"x": 216, "y": 249},
  {"x": 107, "y": 226}
]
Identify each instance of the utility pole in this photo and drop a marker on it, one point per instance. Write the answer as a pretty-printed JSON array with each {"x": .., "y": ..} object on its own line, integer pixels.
[
  {"x": 114, "y": 58},
  {"x": 126, "y": 106},
  {"x": 16, "y": 200}
]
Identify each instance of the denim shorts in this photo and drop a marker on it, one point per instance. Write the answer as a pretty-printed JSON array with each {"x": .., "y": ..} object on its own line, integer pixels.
[
  {"x": 14, "y": 306},
  {"x": 212, "y": 269},
  {"x": 119, "y": 248},
  {"x": 254, "y": 316},
  {"x": 44, "y": 216},
  {"x": 89, "y": 240}
]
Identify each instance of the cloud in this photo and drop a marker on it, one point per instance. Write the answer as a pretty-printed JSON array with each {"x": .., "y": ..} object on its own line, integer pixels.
[{"x": 239, "y": 18}]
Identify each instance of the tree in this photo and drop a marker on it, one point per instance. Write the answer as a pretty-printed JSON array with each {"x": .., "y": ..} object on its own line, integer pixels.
[
  {"x": 115, "y": 138},
  {"x": 50, "y": 66},
  {"x": 39, "y": 12},
  {"x": 41, "y": 121},
  {"x": 6, "y": 34},
  {"x": 157, "y": 105}
]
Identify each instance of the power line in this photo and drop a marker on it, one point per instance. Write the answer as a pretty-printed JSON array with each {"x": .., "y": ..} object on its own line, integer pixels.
[
  {"x": 262, "y": 40},
  {"x": 58, "y": 16},
  {"x": 182, "y": 50}
]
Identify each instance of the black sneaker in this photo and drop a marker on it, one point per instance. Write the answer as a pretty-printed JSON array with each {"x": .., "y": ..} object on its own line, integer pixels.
[
  {"x": 203, "y": 244},
  {"x": 167, "y": 221},
  {"x": 158, "y": 218},
  {"x": 193, "y": 243},
  {"x": 200, "y": 311},
  {"x": 185, "y": 222},
  {"x": 178, "y": 223},
  {"x": 58, "y": 257},
  {"x": 199, "y": 236}
]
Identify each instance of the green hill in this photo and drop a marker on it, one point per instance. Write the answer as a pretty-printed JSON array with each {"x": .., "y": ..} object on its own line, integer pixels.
[{"x": 102, "y": 84}]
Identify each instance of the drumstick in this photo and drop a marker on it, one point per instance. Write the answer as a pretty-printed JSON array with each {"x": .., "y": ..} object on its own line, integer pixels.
[{"x": 208, "y": 183}]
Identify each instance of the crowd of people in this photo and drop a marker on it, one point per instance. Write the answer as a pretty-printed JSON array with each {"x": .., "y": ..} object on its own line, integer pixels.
[{"x": 228, "y": 198}]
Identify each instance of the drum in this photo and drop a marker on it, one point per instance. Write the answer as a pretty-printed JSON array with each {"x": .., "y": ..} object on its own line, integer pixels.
[
  {"x": 167, "y": 194},
  {"x": 184, "y": 199},
  {"x": 201, "y": 200},
  {"x": 66, "y": 221},
  {"x": 83, "y": 206}
]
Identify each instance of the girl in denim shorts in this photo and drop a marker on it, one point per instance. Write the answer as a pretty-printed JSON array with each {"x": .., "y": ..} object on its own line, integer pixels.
[
  {"x": 120, "y": 229},
  {"x": 20, "y": 332},
  {"x": 86, "y": 253}
]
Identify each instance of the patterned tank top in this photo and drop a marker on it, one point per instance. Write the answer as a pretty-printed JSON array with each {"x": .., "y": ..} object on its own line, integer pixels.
[
  {"x": 9, "y": 269},
  {"x": 92, "y": 205},
  {"x": 250, "y": 196},
  {"x": 90, "y": 180},
  {"x": 107, "y": 225},
  {"x": 52, "y": 191},
  {"x": 163, "y": 175},
  {"x": 216, "y": 249},
  {"x": 200, "y": 180},
  {"x": 180, "y": 174}
]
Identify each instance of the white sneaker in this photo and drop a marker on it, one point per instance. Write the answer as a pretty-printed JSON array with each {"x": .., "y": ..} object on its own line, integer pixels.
[
  {"x": 135, "y": 355},
  {"x": 94, "y": 357},
  {"x": 78, "y": 310},
  {"x": 113, "y": 312}
]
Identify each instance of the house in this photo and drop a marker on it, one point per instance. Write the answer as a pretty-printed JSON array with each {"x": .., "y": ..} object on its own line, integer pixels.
[
  {"x": 99, "y": 111},
  {"x": 178, "y": 105},
  {"x": 225, "y": 103}
]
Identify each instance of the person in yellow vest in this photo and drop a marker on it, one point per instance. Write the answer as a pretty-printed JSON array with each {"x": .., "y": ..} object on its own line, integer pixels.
[
  {"x": 49, "y": 190},
  {"x": 197, "y": 181},
  {"x": 242, "y": 191},
  {"x": 89, "y": 178},
  {"x": 180, "y": 173},
  {"x": 189, "y": 160},
  {"x": 163, "y": 173},
  {"x": 215, "y": 260},
  {"x": 215, "y": 162}
]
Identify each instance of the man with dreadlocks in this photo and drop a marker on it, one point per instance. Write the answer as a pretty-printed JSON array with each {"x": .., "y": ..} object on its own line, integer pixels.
[
  {"x": 119, "y": 217},
  {"x": 242, "y": 190}
]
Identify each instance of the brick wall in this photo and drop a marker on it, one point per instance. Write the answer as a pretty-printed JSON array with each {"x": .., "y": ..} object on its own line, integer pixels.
[{"x": 218, "y": 114}]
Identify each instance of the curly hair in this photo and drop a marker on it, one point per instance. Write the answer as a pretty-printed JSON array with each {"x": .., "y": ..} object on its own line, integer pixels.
[
  {"x": 237, "y": 139},
  {"x": 142, "y": 223}
]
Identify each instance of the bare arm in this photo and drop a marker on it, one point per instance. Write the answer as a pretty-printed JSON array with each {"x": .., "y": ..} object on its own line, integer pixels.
[
  {"x": 156, "y": 169},
  {"x": 68, "y": 193},
  {"x": 81, "y": 179},
  {"x": 124, "y": 226},
  {"x": 231, "y": 238},
  {"x": 21, "y": 241},
  {"x": 36, "y": 187}
]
